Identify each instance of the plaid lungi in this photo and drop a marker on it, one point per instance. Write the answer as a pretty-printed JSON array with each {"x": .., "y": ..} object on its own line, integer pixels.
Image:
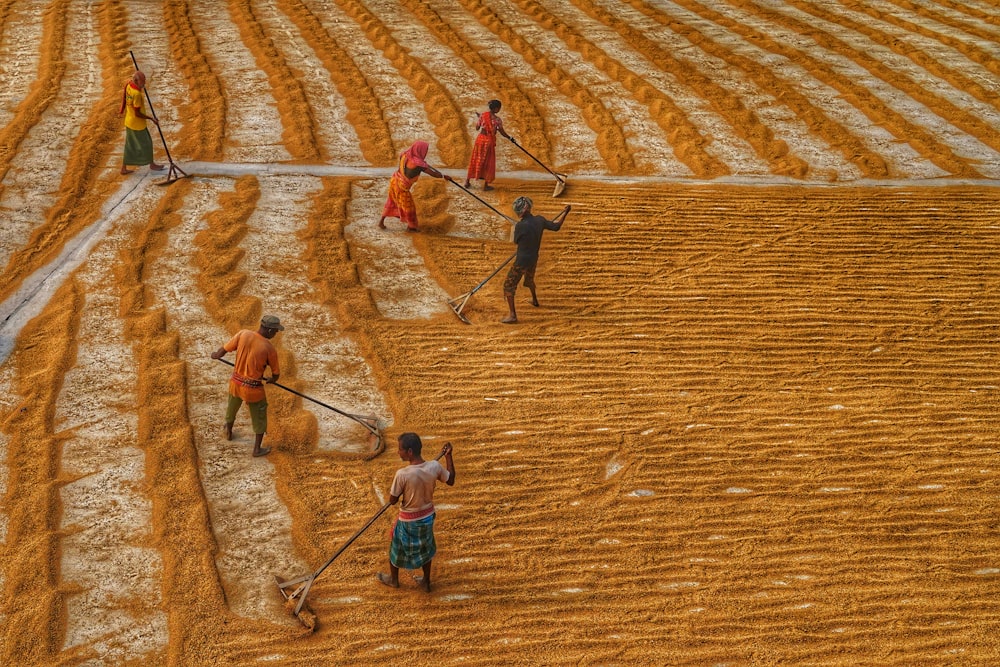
[
  {"x": 412, "y": 543},
  {"x": 138, "y": 148}
]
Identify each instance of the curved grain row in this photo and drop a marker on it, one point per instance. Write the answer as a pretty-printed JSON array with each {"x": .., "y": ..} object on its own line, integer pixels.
[
  {"x": 958, "y": 116},
  {"x": 37, "y": 165},
  {"x": 522, "y": 109},
  {"x": 192, "y": 593},
  {"x": 918, "y": 136},
  {"x": 81, "y": 191},
  {"x": 446, "y": 117},
  {"x": 51, "y": 68},
  {"x": 688, "y": 143},
  {"x": 836, "y": 135},
  {"x": 301, "y": 133},
  {"x": 611, "y": 143},
  {"x": 205, "y": 129},
  {"x": 744, "y": 121},
  {"x": 364, "y": 111},
  {"x": 969, "y": 49},
  {"x": 220, "y": 253},
  {"x": 6, "y": 8},
  {"x": 33, "y": 603},
  {"x": 960, "y": 7},
  {"x": 860, "y": 124},
  {"x": 109, "y": 566},
  {"x": 856, "y": 94},
  {"x": 18, "y": 52}
]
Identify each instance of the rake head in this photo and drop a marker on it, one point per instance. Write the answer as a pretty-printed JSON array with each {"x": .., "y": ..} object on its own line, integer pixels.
[
  {"x": 560, "y": 185},
  {"x": 175, "y": 173},
  {"x": 295, "y": 602},
  {"x": 376, "y": 437},
  {"x": 457, "y": 304}
]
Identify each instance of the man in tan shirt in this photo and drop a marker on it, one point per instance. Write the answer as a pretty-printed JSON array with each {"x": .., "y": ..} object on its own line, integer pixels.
[{"x": 413, "y": 543}]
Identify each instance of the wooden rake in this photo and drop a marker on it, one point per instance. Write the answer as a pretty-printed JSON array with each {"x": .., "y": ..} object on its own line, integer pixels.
[
  {"x": 174, "y": 173},
  {"x": 483, "y": 201},
  {"x": 371, "y": 423},
  {"x": 295, "y": 601},
  {"x": 560, "y": 178},
  {"x": 458, "y": 303}
]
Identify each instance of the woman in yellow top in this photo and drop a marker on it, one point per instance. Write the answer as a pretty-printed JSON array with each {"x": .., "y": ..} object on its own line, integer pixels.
[{"x": 138, "y": 143}]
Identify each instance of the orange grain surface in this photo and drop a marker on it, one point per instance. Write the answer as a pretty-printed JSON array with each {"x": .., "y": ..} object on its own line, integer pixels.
[{"x": 753, "y": 421}]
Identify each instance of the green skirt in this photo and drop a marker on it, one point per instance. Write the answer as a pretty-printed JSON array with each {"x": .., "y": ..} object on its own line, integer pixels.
[
  {"x": 138, "y": 147},
  {"x": 412, "y": 543}
]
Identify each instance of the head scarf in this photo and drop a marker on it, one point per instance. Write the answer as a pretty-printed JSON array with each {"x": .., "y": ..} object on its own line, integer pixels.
[
  {"x": 521, "y": 204},
  {"x": 416, "y": 153}
]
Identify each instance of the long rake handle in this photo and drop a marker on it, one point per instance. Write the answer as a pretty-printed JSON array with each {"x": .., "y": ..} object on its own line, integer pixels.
[
  {"x": 343, "y": 547},
  {"x": 153, "y": 111},
  {"x": 490, "y": 277},
  {"x": 489, "y": 205},
  {"x": 536, "y": 160},
  {"x": 310, "y": 398}
]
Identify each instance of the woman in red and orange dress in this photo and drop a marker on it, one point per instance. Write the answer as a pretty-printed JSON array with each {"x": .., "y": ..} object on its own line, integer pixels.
[
  {"x": 399, "y": 204},
  {"x": 483, "y": 163}
]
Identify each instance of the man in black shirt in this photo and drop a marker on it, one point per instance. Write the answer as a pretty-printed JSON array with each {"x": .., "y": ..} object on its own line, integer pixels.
[{"x": 528, "y": 237}]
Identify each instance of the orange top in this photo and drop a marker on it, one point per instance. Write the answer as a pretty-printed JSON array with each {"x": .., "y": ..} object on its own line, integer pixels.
[{"x": 254, "y": 353}]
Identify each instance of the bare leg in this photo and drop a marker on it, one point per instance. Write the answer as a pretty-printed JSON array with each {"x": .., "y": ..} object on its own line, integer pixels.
[
  {"x": 467, "y": 184},
  {"x": 227, "y": 430},
  {"x": 512, "y": 317},
  {"x": 424, "y": 582},
  {"x": 257, "y": 449},
  {"x": 486, "y": 186},
  {"x": 534, "y": 297},
  {"x": 381, "y": 222},
  {"x": 125, "y": 170}
]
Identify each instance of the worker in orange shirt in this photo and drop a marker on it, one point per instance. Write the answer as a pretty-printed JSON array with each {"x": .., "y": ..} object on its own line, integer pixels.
[{"x": 254, "y": 353}]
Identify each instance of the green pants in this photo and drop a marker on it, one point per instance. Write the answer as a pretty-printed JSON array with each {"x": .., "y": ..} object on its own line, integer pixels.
[
  {"x": 138, "y": 148},
  {"x": 258, "y": 413}
]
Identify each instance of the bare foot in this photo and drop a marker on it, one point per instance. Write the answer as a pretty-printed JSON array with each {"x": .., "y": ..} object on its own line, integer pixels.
[
  {"x": 263, "y": 451},
  {"x": 126, "y": 172},
  {"x": 534, "y": 302},
  {"x": 413, "y": 229},
  {"x": 381, "y": 224},
  {"x": 155, "y": 167},
  {"x": 509, "y": 320},
  {"x": 227, "y": 431},
  {"x": 468, "y": 185},
  {"x": 487, "y": 188},
  {"x": 387, "y": 580},
  {"x": 425, "y": 586}
]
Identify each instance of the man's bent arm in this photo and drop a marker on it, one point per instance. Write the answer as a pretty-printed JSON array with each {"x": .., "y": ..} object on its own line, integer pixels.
[{"x": 449, "y": 463}]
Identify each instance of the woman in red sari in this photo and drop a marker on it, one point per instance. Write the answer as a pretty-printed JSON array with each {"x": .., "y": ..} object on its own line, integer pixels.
[
  {"x": 483, "y": 163},
  {"x": 400, "y": 202}
]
